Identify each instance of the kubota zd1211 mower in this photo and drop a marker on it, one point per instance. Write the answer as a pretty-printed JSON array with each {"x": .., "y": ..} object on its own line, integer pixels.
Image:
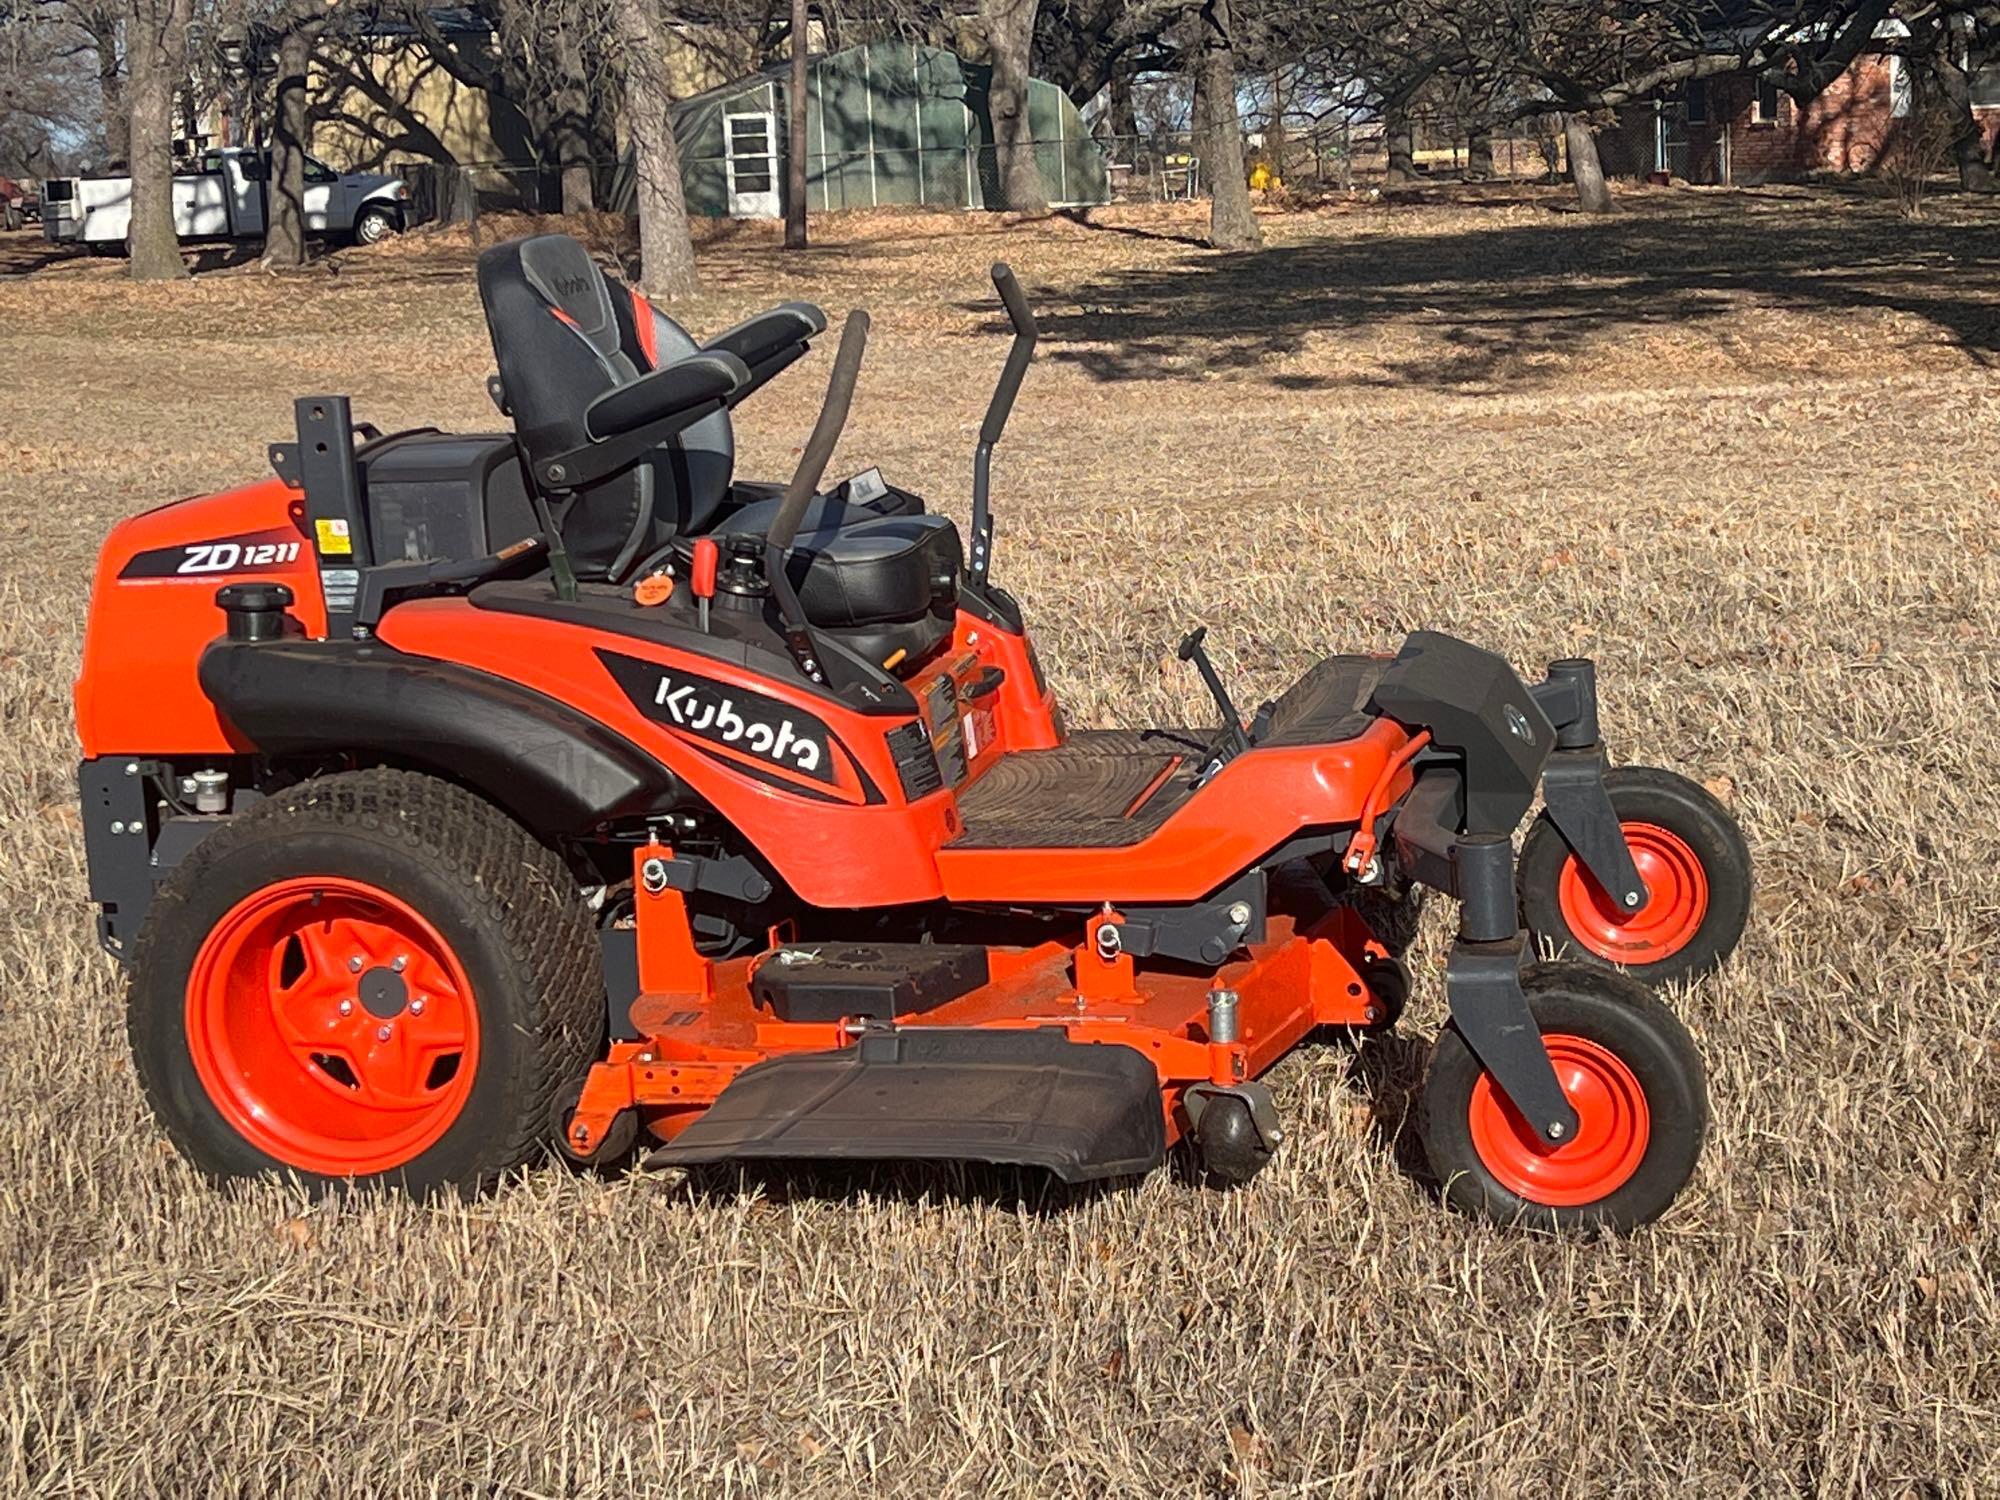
[{"x": 447, "y": 794}]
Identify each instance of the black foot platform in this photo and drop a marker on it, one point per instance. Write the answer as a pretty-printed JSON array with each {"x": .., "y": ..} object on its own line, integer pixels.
[{"x": 1100, "y": 789}]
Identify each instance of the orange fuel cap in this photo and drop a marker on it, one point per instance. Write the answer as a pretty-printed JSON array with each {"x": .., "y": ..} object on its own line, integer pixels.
[{"x": 654, "y": 588}]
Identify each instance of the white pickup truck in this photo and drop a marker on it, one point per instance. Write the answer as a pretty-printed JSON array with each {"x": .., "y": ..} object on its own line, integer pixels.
[{"x": 227, "y": 200}]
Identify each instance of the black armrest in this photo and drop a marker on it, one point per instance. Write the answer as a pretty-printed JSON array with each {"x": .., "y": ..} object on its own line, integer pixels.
[
  {"x": 771, "y": 333},
  {"x": 694, "y": 381},
  {"x": 769, "y": 342}
]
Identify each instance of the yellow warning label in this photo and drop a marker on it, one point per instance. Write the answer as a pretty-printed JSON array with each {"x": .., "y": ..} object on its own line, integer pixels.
[{"x": 333, "y": 539}]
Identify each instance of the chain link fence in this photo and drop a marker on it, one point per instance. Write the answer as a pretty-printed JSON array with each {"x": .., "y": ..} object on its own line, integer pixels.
[{"x": 1158, "y": 167}]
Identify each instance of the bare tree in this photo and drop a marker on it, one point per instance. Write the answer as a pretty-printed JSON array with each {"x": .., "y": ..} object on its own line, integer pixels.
[
  {"x": 795, "y": 164},
  {"x": 666, "y": 251},
  {"x": 156, "y": 53},
  {"x": 1010, "y": 36},
  {"x": 1232, "y": 223}
]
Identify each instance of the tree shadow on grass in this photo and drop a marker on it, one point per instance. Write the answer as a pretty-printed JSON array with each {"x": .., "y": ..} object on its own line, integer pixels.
[{"x": 1514, "y": 301}]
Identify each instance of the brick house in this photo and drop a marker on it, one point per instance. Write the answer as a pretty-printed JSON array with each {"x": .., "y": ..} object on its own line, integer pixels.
[{"x": 1739, "y": 131}]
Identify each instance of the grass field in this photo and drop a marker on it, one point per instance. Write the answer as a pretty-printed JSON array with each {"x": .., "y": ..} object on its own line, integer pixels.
[{"x": 1738, "y": 447}]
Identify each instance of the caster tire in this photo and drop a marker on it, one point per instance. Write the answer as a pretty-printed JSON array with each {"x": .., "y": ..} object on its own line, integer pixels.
[
  {"x": 1227, "y": 1143},
  {"x": 1633, "y": 1076},
  {"x": 373, "y": 977},
  {"x": 618, "y": 1140},
  {"x": 1696, "y": 867},
  {"x": 1389, "y": 981}
]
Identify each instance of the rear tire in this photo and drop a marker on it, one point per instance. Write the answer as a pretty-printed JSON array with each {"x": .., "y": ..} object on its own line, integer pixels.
[
  {"x": 1632, "y": 1074},
  {"x": 373, "y": 977},
  {"x": 1696, "y": 867}
]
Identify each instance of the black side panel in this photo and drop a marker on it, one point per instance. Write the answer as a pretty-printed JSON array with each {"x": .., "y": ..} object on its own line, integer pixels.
[
  {"x": 556, "y": 771},
  {"x": 943, "y": 1094},
  {"x": 1472, "y": 702},
  {"x": 117, "y": 846}
]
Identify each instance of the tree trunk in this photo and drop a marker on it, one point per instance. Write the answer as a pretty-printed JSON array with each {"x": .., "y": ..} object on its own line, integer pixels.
[
  {"x": 1479, "y": 155},
  {"x": 285, "y": 193},
  {"x": 1010, "y": 37},
  {"x": 1122, "y": 115},
  {"x": 102, "y": 24},
  {"x": 1232, "y": 223},
  {"x": 666, "y": 252},
  {"x": 1968, "y": 143},
  {"x": 1585, "y": 170},
  {"x": 156, "y": 46},
  {"x": 795, "y": 147},
  {"x": 1399, "y": 139},
  {"x": 572, "y": 130}
]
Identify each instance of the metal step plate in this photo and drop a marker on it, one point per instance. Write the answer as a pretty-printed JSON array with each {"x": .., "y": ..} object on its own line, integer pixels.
[{"x": 1033, "y": 1097}]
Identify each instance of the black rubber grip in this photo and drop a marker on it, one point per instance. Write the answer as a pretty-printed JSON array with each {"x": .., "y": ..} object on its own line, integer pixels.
[{"x": 825, "y": 434}]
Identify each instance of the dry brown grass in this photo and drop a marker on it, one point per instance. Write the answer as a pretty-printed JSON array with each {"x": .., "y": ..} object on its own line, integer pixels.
[{"x": 1738, "y": 447}]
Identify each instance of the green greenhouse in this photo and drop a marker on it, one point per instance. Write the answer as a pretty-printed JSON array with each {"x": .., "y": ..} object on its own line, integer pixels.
[{"x": 886, "y": 123}]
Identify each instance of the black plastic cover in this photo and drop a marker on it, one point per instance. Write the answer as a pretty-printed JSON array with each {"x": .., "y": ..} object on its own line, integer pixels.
[
  {"x": 559, "y": 773},
  {"x": 875, "y": 981},
  {"x": 1472, "y": 702},
  {"x": 922, "y": 1093},
  {"x": 440, "y": 496}
]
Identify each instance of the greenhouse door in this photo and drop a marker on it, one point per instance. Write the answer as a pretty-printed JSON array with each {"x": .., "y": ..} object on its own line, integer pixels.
[{"x": 750, "y": 150}]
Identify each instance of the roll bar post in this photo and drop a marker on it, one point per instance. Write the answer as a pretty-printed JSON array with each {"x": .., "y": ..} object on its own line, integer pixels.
[
  {"x": 997, "y": 411},
  {"x": 805, "y": 484}
]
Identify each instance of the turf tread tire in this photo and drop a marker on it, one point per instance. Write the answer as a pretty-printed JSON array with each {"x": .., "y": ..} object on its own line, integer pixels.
[
  {"x": 1628, "y": 1019},
  {"x": 552, "y": 988},
  {"x": 1648, "y": 794}
]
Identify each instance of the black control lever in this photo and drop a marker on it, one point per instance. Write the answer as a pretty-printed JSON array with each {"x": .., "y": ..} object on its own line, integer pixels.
[
  {"x": 1234, "y": 740},
  {"x": 1026, "y": 332}
]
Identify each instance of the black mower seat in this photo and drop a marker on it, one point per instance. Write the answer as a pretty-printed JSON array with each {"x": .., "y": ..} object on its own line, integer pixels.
[{"x": 879, "y": 584}]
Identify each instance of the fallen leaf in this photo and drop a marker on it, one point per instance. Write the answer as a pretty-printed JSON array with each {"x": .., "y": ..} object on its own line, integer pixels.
[
  {"x": 298, "y": 1233},
  {"x": 1722, "y": 789}
]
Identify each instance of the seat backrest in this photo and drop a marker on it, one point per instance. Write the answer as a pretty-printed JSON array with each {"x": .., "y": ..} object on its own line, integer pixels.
[
  {"x": 556, "y": 343},
  {"x": 701, "y": 461}
]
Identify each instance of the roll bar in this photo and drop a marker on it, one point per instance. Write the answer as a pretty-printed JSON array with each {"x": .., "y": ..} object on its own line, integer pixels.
[
  {"x": 1019, "y": 353},
  {"x": 805, "y": 484}
]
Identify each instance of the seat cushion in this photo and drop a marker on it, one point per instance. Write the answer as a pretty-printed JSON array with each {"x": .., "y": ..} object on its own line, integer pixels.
[
  {"x": 756, "y": 505},
  {"x": 867, "y": 572}
]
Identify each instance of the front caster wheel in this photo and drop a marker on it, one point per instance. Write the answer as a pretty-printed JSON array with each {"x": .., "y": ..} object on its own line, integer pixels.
[
  {"x": 1230, "y": 1141},
  {"x": 1689, "y": 852},
  {"x": 1633, "y": 1076}
]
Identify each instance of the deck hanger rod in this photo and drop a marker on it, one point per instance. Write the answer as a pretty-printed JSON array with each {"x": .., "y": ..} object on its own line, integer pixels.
[
  {"x": 997, "y": 411},
  {"x": 805, "y": 484}
]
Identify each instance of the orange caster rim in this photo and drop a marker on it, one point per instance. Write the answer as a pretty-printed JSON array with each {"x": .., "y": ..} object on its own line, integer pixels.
[
  {"x": 332, "y": 1027},
  {"x": 1676, "y": 906},
  {"x": 1614, "y": 1124}
]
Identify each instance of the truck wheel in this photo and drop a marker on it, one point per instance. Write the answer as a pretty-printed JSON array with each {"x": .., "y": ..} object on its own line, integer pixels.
[
  {"x": 372, "y": 977},
  {"x": 375, "y": 225},
  {"x": 1633, "y": 1077},
  {"x": 1696, "y": 867}
]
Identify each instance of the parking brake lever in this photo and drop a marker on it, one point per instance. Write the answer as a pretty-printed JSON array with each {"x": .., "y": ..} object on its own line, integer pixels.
[{"x": 1234, "y": 740}]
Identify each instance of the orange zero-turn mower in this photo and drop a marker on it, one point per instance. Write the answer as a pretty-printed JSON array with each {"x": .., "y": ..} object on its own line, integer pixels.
[{"x": 426, "y": 841}]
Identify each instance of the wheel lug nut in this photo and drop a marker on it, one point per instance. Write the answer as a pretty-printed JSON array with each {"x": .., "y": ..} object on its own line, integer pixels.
[
  {"x": 347, "y": 1007},
  {"x": 381, "y": 1033},
  {"x": 417, "y": 1006},
  {"x": 401, "y": 963},
  {"x": 354, "y": 964}
]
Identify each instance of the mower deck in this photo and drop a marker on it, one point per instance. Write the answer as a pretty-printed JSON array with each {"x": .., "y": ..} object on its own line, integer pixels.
[{"x": 705, "y": 1034}]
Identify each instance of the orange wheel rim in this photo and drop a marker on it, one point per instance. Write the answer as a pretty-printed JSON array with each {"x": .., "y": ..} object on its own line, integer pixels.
[
  {"x": 332, "y": 1026},
  {"x": 1676, "y": 905},
  {"x": 1613, "y": 1125}
]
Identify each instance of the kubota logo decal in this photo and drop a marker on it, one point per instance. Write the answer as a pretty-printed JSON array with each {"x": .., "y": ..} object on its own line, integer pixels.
[{"x": 715, "y": 711}]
